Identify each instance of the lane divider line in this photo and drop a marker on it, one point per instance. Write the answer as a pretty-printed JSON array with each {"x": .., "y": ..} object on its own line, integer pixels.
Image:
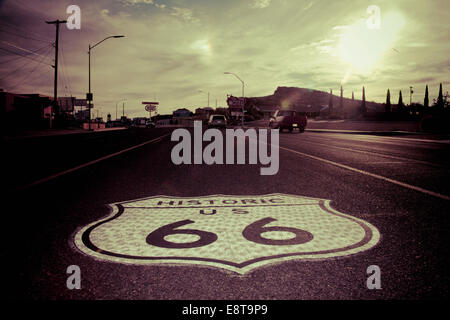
[
  {"x": 399, "y": 183},
  {"x": 381, "y": 155},
  {"x": 56, "y": 175}
]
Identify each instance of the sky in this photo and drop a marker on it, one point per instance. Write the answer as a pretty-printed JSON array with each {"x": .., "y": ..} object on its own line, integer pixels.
[{"x": 176, "y": 51}]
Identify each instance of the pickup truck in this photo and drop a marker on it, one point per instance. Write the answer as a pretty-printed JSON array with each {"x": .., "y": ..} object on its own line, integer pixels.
[{"x": 288, "y": 119}]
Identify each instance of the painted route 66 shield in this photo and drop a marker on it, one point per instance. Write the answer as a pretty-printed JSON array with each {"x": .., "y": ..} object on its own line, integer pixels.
[{"x": 237, "y": 233}]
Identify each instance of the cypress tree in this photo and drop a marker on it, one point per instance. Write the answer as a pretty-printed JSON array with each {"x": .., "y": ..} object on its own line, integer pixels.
[
  {"x": 388, "y": 102},
  {"x": 426, "y": 102},
  {"x": 363, "y": 104},
  {"x": 341, "y": 101},
  {"x": 440, "y": 101},
  {"x": 400, "y": 101},
  {"x": 330, "y": 104}
]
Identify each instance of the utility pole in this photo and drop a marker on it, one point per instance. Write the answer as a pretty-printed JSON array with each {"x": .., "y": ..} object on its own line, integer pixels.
[
  {"x": 411, "y": 91},
  {"x": 55, "y": 95}
]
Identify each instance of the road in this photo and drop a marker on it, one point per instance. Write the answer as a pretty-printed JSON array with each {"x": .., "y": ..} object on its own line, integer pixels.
[{"x": 398, "y": 186}]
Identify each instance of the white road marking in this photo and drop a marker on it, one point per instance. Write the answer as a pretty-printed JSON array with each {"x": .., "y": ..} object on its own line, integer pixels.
[
  {"x": 376, "y": 138},
  {"x": 402, "y": 159},
  {"x": 54, "y": 176},
  {"x": 399, "y": 183}
]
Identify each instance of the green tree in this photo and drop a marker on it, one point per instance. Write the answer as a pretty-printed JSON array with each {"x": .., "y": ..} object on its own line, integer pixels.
[{"x": 426, "y": 102}]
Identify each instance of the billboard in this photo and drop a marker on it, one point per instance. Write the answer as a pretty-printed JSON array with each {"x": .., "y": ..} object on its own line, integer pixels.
[{"x": 66, "y": 104}]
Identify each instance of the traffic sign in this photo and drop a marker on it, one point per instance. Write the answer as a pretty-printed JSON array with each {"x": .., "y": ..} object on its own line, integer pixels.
[
  {"x": 150, "y": 108},
  {"x": 236, "y": 233}
]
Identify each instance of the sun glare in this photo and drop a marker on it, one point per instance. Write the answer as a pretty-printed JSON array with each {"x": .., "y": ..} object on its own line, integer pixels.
[
  {"x": 202, "y": 46},
  {"x": 363, "y": 48}
]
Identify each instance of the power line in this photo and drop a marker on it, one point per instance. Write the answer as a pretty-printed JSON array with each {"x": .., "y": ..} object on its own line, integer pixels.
[
  {"x": 27, "y": 63},
  {"x": 24, "y": 37},
  {"x": 26, "y": 57},
  {"x": 21, "y": 56},
  {"x": 20, "y": 48},
  {"x": 19, "y": 29},
  {"x": 26, "y": 78},
  {"x": 64, "y": 66}
]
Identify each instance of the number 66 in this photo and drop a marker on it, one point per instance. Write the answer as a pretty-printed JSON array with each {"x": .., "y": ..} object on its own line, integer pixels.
[{"x": 252, "y": 232}]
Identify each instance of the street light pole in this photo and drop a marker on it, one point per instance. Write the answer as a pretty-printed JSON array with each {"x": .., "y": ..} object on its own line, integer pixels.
[
  {"x": 243, "y": 95},
  {"x": 89, "y": 91},
  {"x": 90, "y": 97},
  {"x": 117, "y": 104}
]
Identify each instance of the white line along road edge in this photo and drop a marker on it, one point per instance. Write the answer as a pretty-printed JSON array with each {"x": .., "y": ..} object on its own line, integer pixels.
[
  {"x": 399, "y": 183},
  {"x": 54, "y": 176}
]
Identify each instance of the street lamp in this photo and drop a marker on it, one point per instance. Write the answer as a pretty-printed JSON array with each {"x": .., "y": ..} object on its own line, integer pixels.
[
  {"x": 243, "y": 96},
  {"x": 90, "y": 96},
  {"x": 118, "y": 103},
  {"x": 208, "y": 96}
]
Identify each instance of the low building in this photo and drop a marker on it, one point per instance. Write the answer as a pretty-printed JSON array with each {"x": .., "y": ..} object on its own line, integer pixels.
[
  {"x": 204, "y": 113},
  {"x": 24, "y": 111},
  {"x": 182, "y": 113}
]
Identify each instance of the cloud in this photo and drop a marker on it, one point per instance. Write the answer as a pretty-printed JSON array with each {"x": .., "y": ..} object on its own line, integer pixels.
[
  {"x": 135, "y": 2},
  {"x": 184, "y": 13},
  {"x": 260, "y": 4},
  {"x": 308, "y": 6}
]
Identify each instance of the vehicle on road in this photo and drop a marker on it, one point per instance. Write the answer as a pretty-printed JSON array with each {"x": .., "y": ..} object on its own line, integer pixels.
[
  {"x": 217, "y": 121},
  {"x": 150, "y": 124},
  {"x": 288, "y": 119}
]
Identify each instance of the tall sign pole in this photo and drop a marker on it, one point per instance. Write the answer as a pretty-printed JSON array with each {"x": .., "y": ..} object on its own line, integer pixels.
[
  {"x": 150, "y": 107},
  {"x": 55, "y": 89},
  {"x": 89, "y": 96}
]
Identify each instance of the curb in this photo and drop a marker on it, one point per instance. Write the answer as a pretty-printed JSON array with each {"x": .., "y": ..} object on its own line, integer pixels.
[{"x": 377, "y": 133}]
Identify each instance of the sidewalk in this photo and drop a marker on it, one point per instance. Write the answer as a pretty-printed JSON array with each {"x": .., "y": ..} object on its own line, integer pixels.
[
  {"x": 376, "y": 128},
  {"x": 54, "y": 132}
]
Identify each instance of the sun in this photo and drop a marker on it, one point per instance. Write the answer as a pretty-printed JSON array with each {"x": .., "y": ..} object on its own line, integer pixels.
[{"x": 363, "y": 48}]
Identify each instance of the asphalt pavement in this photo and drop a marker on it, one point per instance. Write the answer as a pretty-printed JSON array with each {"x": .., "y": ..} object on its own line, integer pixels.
[{"x": 392, "y": 191}]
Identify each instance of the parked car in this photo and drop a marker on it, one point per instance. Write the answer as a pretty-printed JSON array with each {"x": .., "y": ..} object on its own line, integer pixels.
[
  {"x": 288, "y": 119},
  {"x": 217, "y": 120},
  {"x": 150, "y": 124}
]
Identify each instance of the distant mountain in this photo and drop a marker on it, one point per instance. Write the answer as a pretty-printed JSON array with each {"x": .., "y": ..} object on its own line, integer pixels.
[{"x": 304, "y": 99}]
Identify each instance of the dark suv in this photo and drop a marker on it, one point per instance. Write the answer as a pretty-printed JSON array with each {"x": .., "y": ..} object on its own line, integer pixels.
[{"x": 288, "y": 119}]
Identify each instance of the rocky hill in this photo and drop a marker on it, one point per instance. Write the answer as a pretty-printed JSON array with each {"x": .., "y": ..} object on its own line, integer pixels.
[{"x": 308, "y": 99}]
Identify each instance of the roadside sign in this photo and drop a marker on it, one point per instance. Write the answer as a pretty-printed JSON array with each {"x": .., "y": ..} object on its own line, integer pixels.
[
  {"x": 66, "y": 104},
  {"x": 89, "y": 96},
  {"x": 156, "y": 103},
  {"x": 236, "y": 233},
  {"x": 150, "y": 108},
  {"x": 80, "y": 102}
]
